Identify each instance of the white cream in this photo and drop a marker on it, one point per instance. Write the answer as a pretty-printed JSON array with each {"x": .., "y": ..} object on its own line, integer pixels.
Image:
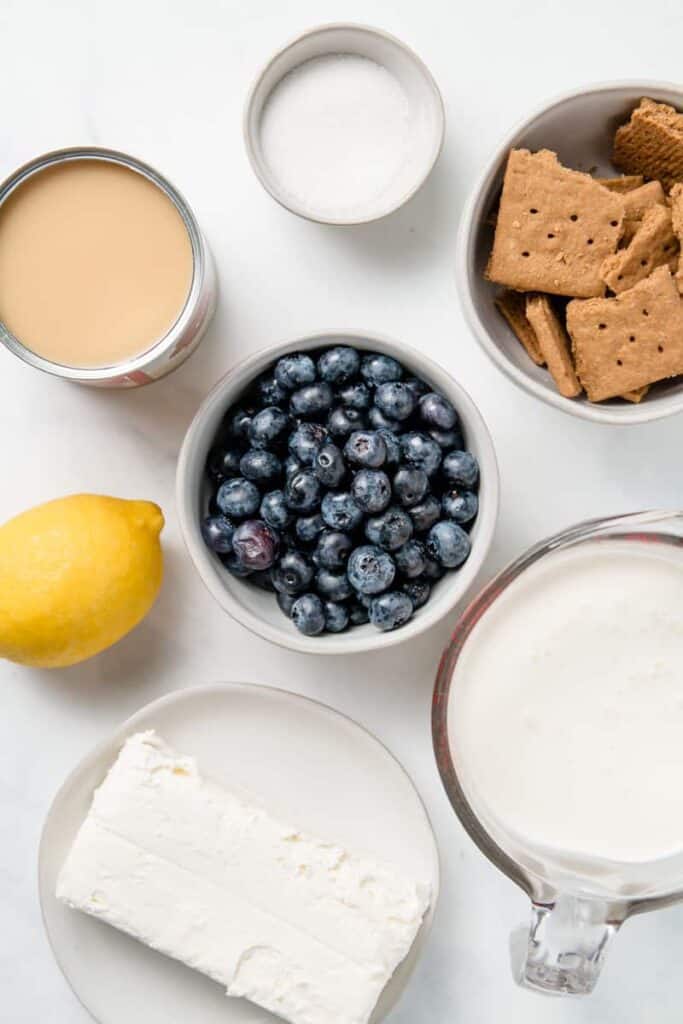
[{"x": 296, "y": 924}]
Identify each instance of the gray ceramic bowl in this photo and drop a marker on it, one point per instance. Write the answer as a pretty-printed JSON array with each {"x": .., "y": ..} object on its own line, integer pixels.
[{"x": 580, "y": 127}]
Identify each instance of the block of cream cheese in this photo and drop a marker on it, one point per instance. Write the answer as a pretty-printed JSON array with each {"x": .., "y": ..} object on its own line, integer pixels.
[{"x": 296, "y": 924}]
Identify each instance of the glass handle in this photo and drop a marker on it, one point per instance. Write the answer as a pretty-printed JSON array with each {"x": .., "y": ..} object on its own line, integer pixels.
[{"x": 567, "y": 944}]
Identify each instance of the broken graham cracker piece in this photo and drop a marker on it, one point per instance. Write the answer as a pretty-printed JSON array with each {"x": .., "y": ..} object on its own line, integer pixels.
[
  {"x": 651, "y": 143},
  {"x": 653, "y": 245},
  {"x": 634, "y": 339},
  {"x": 676, "y": 198},
  {"x": 636, "y": 396},
  {"x": 512, "y": 305},
  {"x": 553, "y": 343},
  {"x": 555, "y": 227},
  {"x": 625, "y": 183},
  {"x": 637, "y": 203}
]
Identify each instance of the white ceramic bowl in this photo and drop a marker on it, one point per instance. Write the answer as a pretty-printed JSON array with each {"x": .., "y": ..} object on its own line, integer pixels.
[
  {"x": 425, "y": 105},
  {"x": 257, "y": 609},
  {"x": 579, "y": 126}
]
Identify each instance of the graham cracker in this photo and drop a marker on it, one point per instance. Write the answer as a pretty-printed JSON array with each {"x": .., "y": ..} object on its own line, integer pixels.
[
  {"x": 676, "y": 198},
  {"x": 637, "y": 203},
  {"x": 512, "y": 305},
  {"x": 553, "y": 343},
  {"x": 651, "y": 143},
  {"x": 638, "y": 395},
  {"x": 625, "y": 183},
  {"x": 555, "y": 227},
  {"x": 634, "y": 339},
  {"x": 653, "y": 244}
]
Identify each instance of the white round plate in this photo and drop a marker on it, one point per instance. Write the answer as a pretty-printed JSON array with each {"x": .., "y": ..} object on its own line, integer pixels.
[{"x": 312, "y": 766}]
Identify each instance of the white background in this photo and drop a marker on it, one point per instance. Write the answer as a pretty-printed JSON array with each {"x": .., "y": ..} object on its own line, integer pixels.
[{"x": 166, "y": 80}]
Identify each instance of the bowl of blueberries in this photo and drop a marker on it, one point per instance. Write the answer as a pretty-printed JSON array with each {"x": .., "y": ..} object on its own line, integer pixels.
[{"x": 338, "y": 493}]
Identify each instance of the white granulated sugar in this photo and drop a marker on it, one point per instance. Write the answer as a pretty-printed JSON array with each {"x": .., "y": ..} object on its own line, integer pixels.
[{"x": 335, "y": 133}]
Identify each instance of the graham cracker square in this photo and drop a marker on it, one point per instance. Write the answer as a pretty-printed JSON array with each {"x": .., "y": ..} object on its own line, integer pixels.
[
  {"x": 555, "y": 227},
  {"x": 653, "y": 245},
  {"x": 637, "y": 203},
  {"x": 651, "y": 143},
  {"x": 553, "y": 343},
  {"x": 624, "y": 183},
  {"x": 676, "y": 197},
  {"x": 512, "y": 306}
]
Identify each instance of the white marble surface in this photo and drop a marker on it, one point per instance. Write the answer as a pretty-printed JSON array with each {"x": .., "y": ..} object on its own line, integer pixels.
[{"x": 166, "y": 79}]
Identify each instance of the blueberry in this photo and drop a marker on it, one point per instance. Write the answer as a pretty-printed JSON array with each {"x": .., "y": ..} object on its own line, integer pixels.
[
  {"x": 417, "y": 386},
  {"x": 338, "y": 365},
  {"x": 364, "y": 599},
  {"x": 370, "y": 570},
  {"x": 333, "y": 549},
  {"x": 461, "y": 469},
  {"x": 238, "y": 424},
  {"x": 437, "y": 412},
  {"x": 309, "y": 528},
  {"x": 222, "y": 464},
  {"x": 410, "y": 485},
  {"x": 448, "y": 544},
  {"x": 343, "y": 421},
  {"x": 447, "y": 439},
  {"x": 418, "y": 591},
  {"x": 378, "y": 369},
  {"x": 358, "y": 614},
  {"x": 392, "y": 445},
  {"x": 421, "y": 451},
  {"x": 308, "y": 615},
  {"x": 461, "y": 506},
  {"x": 391, "y": 529},
  {"x": 274, "y": 510},
  {"x": 269, "y": 427},
  {"x": 395, "y": 400},
  {"x": 391, "y": 610},
  {"x": 217, "y": 532},
  {"x": 356, "y": 396},
  {"x": 333, "y": 586},
  {"x": 294, "y": 371},
  {"x": 433, "y": 570},
  {"x": 425, "y": 514},
  {"x": 379, "y": 421},
  {"x": 292, "y": 574},
  {"x": 260, "y": 466},
  {"x": 328, "y": 465},
  {"x": 238, "y": 497},
  {"x": 411, "y": 559},
  {"x": 269, "y": 392},
  {"x": 312, "y": 400},
  {"x": 255, "y": 544},
  {"x": 302, "y": 491},
  {"x": 306, "y": 441},
  {"x": 340, "y": 511},
  {"x": 336, "y": 617},
  {"x": 366, "y": 448},
  {"x": 235, "y": 567},
  {"x": 371, "y": 490},
  {"x": 286, "y": 602}
]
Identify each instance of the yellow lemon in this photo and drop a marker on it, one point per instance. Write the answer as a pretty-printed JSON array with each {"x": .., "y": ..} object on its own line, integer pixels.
[{"x": 76, "y": 574}]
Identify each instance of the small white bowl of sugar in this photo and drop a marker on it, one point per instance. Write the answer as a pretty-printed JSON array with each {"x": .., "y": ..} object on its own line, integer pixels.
[{"x": 344, "y": 124}]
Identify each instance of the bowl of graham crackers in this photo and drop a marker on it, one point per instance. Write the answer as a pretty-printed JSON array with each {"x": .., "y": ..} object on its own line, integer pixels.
[{"x": 569, "y": 250}]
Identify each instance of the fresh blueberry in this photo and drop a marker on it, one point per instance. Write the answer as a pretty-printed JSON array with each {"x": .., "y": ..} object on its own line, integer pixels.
[
  {"x": 391, "y": 529},
  {"x": 461, "y": 469},
  {"x": 392, "y": 445},
  {"x": 306, "y": 441},
  {"x": 340, "y": 511},
  {"x": 309, "y": 528},
  {"x": 234, "y": 566},
  {"x": 239, "y": 424},
  {"x": 391, "y": 610},
  {"x": 222, "y": 464},
  {"x": 411, "y": 559},
  {"x": 365, "y": 599},
  {"x": 238, "y": 497},
  {"x": 255, "y": 544},
  {"x": 379, "y": 421},
  {"x": 366, "y": 448},
  {"x": 333, "y": 549},
  {"x": 312, "y": 400},
  {"x": 286, "y": 602},
  {"x": 343, "y": 421},
  {"x": 294, "y": 371},
  {"x": 421, "y": 451},
  {"x": 292, "y": 465},
  {"x": 328, "y": 465},
  {"x": 274, "y": 510},
  {"x": 437, "y": 413},
  {"x": 425, "y": 514},
  {"x": 448, "y": 544},
  {"x": 418, "y": 591},
  {"x": 302, "y": 491},
  {"x": 378, "y": 369},
  {"x": 269, "y": 392},
  {"x": 336, "y": 617},
  {"x": 371, "y": 490},
  {"x": 338, "y": 365},
  {"x": 356, "y": 396},
  {"x": 447, "y": 439},
  {"x": 260, "y": 465},
  {"x": 410, "y": 485},
  {"x": 269, "y": 427},
  {"x": 358, "y": 614},
  {"x": 308, "y": 615},
  {"x": 333, "y": 586},
  {"x": 217, "y": 532},
  {"x": 417, "y": 386},
  {"x": 370, "y": 570},
  {"x": 433, "y": 570},
  {"x": 395, "y": 400},
  {"x": 292, "y": 574},
  {"x": 461, "y": 506}
]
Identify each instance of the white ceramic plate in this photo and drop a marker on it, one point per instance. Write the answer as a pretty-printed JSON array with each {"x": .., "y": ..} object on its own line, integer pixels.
[{"x": 313, "y": 766}]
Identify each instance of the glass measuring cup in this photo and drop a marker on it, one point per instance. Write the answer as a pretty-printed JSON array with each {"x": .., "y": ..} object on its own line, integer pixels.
[{"x": 574, "y": 914}]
